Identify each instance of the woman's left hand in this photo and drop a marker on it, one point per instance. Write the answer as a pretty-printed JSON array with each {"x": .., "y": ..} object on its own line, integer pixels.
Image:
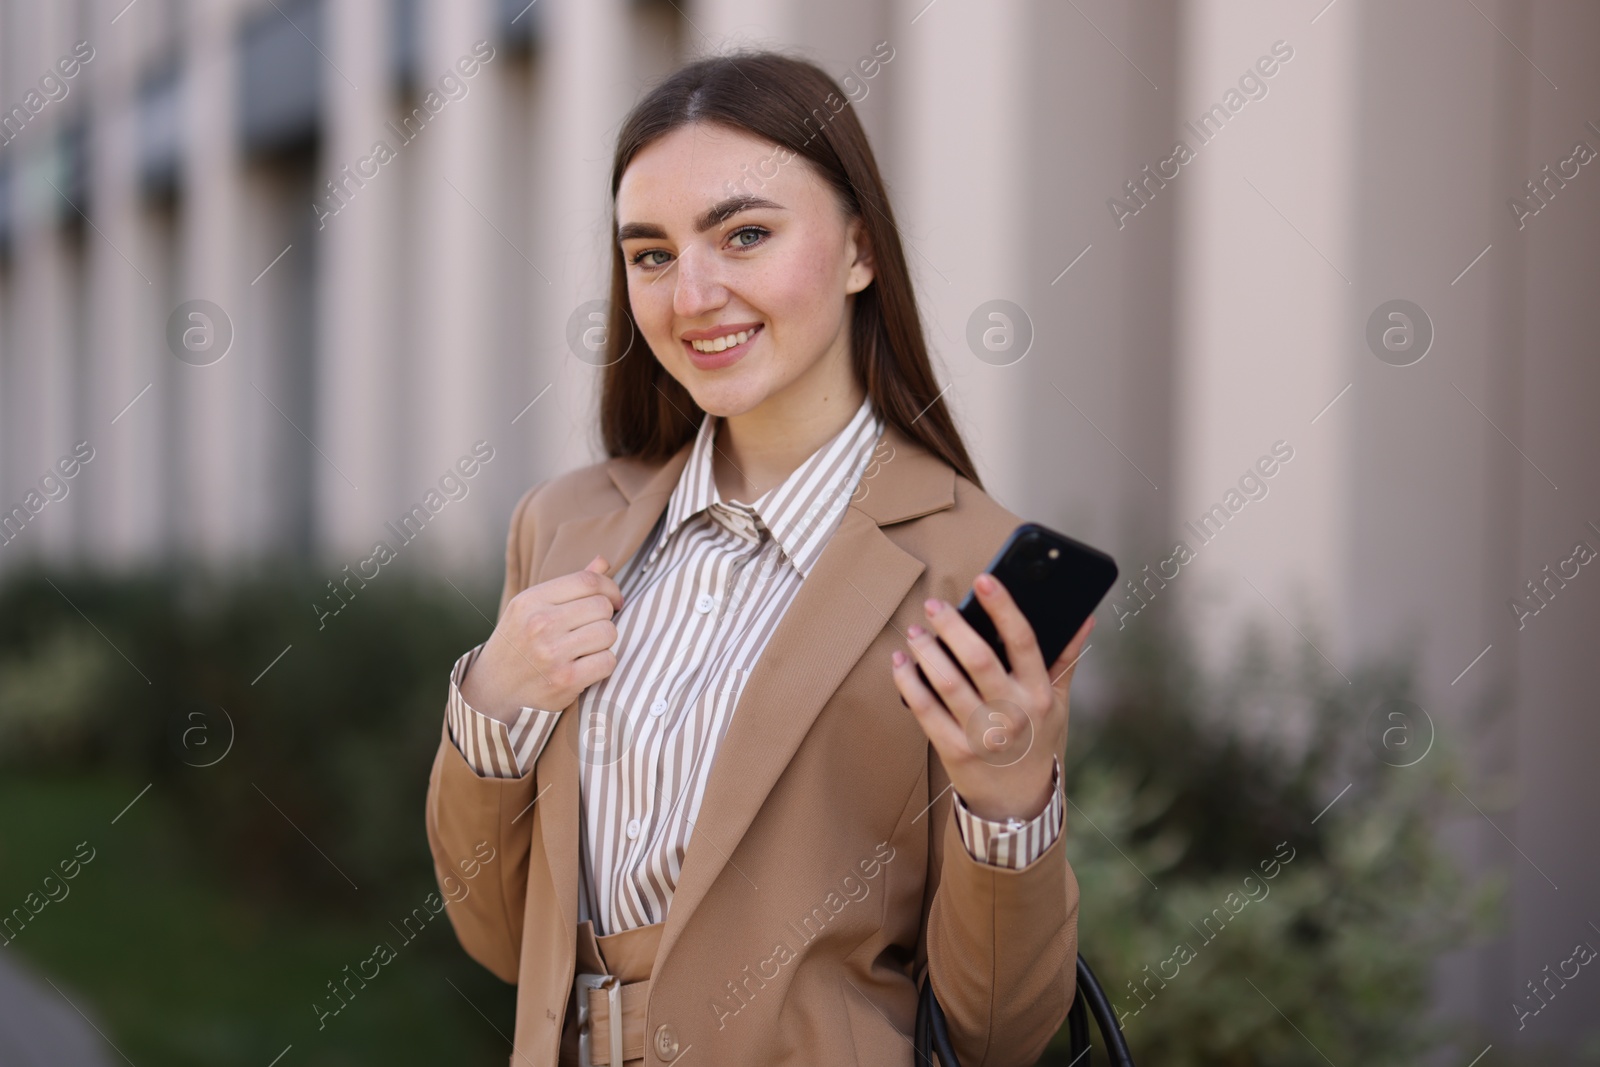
[{"x": 997, "y": 743}]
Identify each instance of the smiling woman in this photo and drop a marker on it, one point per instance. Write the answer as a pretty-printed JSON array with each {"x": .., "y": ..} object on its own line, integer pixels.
[{"x": 692, "y": 711}]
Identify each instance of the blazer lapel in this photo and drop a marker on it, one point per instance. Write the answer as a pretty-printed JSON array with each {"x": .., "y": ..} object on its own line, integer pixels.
[
  {"x": 616, "y": 535},
  {"x": 849, "y": 596}
]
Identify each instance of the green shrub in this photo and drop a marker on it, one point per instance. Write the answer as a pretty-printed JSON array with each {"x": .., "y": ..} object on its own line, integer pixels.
[
  {"x": 154, "y": 675},
  {"x": 1190, "y": 782}
]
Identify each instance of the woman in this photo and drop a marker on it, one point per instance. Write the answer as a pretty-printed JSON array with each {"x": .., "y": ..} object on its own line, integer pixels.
[{"x": 684, "y": 758}]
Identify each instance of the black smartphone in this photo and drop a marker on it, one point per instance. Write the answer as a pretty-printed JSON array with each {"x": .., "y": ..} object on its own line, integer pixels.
[{"x": 1056, "y": 582}]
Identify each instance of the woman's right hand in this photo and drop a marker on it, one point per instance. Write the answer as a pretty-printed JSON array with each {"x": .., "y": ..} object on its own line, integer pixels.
[{"x": 553, "y": 640}]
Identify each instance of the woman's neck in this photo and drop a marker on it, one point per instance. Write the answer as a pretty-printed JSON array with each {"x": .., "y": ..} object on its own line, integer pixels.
[{"x": 757, "y": 450}]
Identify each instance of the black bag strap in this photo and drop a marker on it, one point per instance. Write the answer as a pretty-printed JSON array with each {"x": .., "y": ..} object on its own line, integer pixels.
[{"x": 932, "y": 1034}]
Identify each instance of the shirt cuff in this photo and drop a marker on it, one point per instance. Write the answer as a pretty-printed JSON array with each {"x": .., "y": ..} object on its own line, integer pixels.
[
  {"x": 1012, "y": 843},
  {"x": 490, "y": 747}
]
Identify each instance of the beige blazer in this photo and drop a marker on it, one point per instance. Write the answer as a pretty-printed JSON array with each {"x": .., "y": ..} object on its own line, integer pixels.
[{"x": 826, "y": 862}]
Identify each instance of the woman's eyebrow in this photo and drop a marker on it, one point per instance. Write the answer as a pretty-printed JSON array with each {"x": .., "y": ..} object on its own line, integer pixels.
[{"x": 719, "y": 212}]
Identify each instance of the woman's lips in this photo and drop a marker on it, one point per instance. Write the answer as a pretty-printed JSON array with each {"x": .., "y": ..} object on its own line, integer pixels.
[{"x": 728, "y": 356}]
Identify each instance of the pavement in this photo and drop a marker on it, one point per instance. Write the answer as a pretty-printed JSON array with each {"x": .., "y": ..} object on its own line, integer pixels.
[{"x": 40, "y": 1026}]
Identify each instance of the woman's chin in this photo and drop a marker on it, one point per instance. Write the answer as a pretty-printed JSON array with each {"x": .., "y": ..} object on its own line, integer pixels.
[{"x": 727, "y": 399}]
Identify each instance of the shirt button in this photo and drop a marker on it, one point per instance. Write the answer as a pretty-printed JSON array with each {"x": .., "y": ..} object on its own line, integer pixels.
[
  {"x": 658, "y": 707},
  {"x": 633, "y": 828},
  {"x": 666, "y": 1042},
  {"x": 705, "y": 603}
]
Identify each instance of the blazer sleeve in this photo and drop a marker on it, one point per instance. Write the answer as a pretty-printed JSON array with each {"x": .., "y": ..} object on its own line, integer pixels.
[
  {"x": 1002, "y": 943},
  {"x": 464, "y": 810}
]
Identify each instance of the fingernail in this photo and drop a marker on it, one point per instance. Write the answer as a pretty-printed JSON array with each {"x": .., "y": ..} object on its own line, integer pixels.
[
  {"x": 931, "y": 605},
  {"x": 984, "y": 583},
  {"x": 899, "y": 658},
  {"x": 915, "y": 631}
]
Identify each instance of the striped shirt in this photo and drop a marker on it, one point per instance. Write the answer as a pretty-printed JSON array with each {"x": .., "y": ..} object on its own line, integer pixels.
[{"x": 702, "y": 596}]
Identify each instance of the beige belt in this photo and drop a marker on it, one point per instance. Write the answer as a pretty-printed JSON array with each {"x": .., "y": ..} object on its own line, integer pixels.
[{"x": 612, "y": 994}]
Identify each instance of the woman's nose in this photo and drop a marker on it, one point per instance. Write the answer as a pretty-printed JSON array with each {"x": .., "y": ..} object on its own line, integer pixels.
[{"x": 696, "y": 289}]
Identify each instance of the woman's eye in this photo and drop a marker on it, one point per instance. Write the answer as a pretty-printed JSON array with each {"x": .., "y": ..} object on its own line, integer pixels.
[
  {"x": 639, "y": 258},
  {"x": 754, "y": 232}
]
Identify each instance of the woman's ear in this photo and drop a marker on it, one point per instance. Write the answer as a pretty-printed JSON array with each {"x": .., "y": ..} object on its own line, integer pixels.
[{"x": 862, "y": 266}]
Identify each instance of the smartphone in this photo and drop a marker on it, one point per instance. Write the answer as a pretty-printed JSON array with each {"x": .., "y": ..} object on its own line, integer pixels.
[{"x": 1056, "y": 582}]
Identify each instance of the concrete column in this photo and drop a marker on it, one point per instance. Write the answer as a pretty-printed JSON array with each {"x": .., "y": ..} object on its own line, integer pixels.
[
  {"x": 962, "y": 223},
  {"x": 1266, "y": 282},
  {"x": 459, "y": 233},
  {"x": 360, "y": 312},
  {"x": 128, "y": 363},
  {"x": 1555, "y": 790},
  {"x": 1097, "y": 406},
  {"x": 584, "y": 94},
  {"x": 215, "y": 400},
  {"x": 40, "y": 371},
  {"x": 731, "y": 24}
]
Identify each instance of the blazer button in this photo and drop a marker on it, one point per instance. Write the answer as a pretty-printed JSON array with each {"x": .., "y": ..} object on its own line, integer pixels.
[{"x": 666, "y": 1042}]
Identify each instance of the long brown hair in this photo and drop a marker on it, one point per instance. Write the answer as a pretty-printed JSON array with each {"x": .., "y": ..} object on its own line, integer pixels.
[{"x": 647, "y": 413}]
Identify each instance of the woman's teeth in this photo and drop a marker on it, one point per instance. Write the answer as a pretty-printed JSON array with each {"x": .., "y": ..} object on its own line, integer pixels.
[{"x": 724, "y": 342}]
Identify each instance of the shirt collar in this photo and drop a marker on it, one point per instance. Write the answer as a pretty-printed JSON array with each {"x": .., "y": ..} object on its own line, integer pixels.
[{"x": 801, "y": 513}]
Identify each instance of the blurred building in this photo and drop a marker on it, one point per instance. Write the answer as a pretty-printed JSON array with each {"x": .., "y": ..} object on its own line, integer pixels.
[{"x": 370, "y": 316}]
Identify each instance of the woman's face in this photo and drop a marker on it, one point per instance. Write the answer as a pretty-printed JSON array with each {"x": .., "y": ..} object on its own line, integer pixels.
[{"x": 724, "y": 236}]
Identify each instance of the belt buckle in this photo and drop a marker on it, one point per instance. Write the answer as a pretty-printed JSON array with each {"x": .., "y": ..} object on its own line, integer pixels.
[{"x": 613, "y": 987}]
